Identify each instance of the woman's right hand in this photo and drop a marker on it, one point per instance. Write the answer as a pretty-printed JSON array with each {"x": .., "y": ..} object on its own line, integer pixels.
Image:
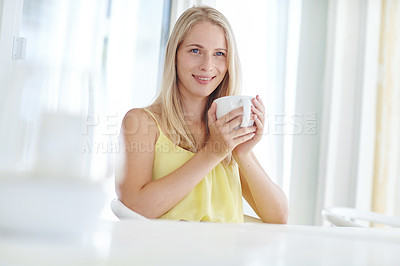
[{"x": 226, "y": 133}]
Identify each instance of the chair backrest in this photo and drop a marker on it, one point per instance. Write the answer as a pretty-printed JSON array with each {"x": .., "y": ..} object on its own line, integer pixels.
[
  {"x": 350, "y": 217},
  {"x": 251, "y": 219},
  {"x": 123, "y": 212}
]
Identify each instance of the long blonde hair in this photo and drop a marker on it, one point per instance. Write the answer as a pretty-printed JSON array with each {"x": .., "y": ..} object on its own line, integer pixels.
[{"x": 169, "y": 99}]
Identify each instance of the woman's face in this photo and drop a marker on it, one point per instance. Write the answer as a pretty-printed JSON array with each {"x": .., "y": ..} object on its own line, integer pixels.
[{"x": 201, "y": 60}]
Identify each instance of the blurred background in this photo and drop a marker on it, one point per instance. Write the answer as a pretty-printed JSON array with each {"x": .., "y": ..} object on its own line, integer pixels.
[{"x": 327, "y": 71}]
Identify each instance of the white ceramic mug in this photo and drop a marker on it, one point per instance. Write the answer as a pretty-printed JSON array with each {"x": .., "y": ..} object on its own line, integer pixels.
[{"x": 229, "y": 103}]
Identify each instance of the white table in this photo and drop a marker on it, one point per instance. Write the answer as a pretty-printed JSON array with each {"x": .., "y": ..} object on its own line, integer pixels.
[{"x": 184, "y": 243}]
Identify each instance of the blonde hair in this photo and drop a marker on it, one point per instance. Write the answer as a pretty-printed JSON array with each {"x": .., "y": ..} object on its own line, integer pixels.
[{"x": 169, "y": 100}]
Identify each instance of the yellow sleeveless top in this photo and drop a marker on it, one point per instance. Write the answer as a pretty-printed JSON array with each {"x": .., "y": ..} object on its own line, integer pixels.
[{"x": 218, "y": 196}]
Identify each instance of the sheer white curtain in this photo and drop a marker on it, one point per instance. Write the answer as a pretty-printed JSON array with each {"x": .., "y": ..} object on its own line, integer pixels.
[
  {"x": 60, "y": 69},
  {"x": 349, "y": 106},
  {"x": 307, "y": 110},
  {"x": 131, "y": 66},
  {"x": 93, "y": 59},
  {"x": 89, "y": 59},
  {"x": 386, "y": 197}
]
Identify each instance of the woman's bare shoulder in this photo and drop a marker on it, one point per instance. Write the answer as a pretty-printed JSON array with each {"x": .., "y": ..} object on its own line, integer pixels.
[{"x": 138, "y": 121}]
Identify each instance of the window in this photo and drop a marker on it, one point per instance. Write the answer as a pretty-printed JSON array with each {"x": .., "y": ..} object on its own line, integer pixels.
[{"x": 95, "y": 59}]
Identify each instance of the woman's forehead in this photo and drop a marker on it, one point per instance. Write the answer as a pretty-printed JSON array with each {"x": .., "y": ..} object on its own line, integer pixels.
[{"x": 207, "y": 35}]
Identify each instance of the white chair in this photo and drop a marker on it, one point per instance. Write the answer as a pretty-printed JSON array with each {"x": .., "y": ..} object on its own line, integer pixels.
[
  {"x": 350, "y": 217},
  {"x": 123, "y": 212}
]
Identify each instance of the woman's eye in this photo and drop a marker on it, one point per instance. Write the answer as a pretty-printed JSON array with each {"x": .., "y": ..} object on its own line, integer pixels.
[
  {"x": 219, "y": 54},
  {"x": 196, "y": 51}
]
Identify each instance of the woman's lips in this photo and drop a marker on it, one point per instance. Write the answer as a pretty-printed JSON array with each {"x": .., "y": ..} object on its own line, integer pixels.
[{"x": 203, "y": 79}]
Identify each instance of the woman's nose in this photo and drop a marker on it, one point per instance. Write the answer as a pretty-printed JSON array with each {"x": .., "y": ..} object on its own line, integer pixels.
[{"x": 207, "y": 64}]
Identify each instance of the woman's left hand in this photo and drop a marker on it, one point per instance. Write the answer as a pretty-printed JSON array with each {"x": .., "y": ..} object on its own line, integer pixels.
[{"x": 258, "y": 116}]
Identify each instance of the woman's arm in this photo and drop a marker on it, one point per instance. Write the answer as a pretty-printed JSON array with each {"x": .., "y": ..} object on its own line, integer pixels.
[
  {"x": 262, "y": 194},
  {"x": 265, "y": 197},
  {"x": 136, "y": 189},
  {"x": 151, "y": 198}
]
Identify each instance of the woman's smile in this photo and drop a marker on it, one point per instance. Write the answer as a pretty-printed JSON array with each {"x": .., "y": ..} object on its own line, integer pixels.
[{"x": 203, "y": 79}]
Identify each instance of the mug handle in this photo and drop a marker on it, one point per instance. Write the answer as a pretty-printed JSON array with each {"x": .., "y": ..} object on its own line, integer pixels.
[{"x": 246, "y": 112}]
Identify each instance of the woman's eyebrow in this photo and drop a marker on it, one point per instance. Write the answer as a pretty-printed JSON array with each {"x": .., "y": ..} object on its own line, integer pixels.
[
  {"x": 196, "y": 45},
  {"x": 201, "y": 46}
]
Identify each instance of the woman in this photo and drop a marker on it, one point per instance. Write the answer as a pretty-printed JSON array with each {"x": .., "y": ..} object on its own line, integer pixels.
[{"x": 181, "y": 162}]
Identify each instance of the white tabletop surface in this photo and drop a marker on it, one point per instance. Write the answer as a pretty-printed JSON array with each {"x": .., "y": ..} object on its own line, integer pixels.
[{"x": 184, "y": 243}]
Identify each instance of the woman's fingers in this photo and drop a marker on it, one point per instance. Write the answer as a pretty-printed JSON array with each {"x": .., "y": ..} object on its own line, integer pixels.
[
  {"x": 260, "y": 127},
  {"x": 227, "y": 130},
  {"x": 232, "y": 115},
  {"x": 233, "y": 126},
  {"x": 258, "y": 103},
  {"x": 234, "y": 123},
  {"x": 243, "y": 138},
  {"x": 256, "y": 111},
  {"x": 258, "y": 108},
  {"x": 244, "y": 131}
]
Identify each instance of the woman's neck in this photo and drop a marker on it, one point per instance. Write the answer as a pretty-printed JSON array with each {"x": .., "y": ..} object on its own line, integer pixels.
[{"x": 194, "y": 110}]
